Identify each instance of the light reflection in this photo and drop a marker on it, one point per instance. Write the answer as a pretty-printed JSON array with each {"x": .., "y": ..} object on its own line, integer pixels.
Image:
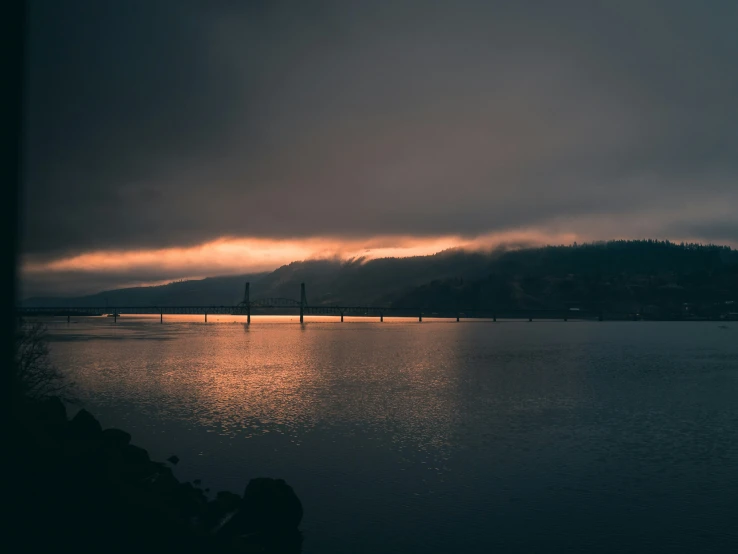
[{"x": 272, "y": 379}]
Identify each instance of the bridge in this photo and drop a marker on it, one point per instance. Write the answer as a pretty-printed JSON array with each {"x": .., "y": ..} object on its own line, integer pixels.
[{"x": 282, "y": 305}]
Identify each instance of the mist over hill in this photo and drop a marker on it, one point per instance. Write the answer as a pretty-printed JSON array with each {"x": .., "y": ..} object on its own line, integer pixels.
[
  {"x": 650, "y": 277},
  {"x": 201, "y": 292},
  {"x": 655, "y": 279},
  {"x": 333, "y": 281}
]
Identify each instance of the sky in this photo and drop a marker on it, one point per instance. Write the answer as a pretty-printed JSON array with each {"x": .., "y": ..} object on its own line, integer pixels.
[{"x": 189, "y": 138}]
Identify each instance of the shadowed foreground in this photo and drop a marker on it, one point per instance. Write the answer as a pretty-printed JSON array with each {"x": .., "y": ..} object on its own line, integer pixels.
[{"x": 85, "y": 489}]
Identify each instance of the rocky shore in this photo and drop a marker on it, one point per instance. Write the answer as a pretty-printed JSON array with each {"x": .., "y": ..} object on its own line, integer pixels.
[{"x": 85, "y": 489}]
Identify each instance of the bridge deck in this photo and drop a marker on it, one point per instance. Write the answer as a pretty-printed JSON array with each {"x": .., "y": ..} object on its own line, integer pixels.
[{"x": 353, "y": 311}]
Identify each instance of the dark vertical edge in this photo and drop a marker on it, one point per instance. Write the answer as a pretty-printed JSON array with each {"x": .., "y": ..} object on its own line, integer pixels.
[
  {"x": 13, "y": 36},
  {"x": 13, "y": 48}
]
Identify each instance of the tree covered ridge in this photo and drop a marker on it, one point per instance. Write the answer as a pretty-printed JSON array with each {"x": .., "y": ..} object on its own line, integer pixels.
[{"x": 657, "y": 278}]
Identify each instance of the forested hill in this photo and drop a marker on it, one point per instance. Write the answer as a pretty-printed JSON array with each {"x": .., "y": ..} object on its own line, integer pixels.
[
  {"x": 220, "y": 291},
  {"x": 655, "y": 278},
  {"x": 637, "y": 276},
  {"x": 355, "y": 282}
]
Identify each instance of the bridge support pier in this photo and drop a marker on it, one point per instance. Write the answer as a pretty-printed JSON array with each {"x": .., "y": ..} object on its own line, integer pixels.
[
  {"x": 302, "y": 314},
  {"x": 206, "y": 317},
  {"x": 161, "y": 316},
  {"x": 494, "y": 318},
  {"x": 341, "y": 317},
  {"x": 247, "y": 301},
  {"x": 381, "y": 317},
  {"x": 420, "y": 318},
  {"x": 68, "y": 318},
  {"x": 457, "y": 318},
  {"x": 115, "y": 316},
  {"x": 530, "y": 318}
]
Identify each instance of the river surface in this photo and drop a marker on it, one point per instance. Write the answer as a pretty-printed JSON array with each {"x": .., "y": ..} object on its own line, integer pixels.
[{"x": 439, "y": 436}]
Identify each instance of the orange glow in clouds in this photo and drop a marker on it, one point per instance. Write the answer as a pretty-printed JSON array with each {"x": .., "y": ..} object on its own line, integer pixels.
[{"x": 242, "y": 255}]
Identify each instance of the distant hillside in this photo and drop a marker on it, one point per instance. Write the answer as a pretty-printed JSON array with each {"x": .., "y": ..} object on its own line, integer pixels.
[
  {"x": 652, "y": 278},
  {"x": 219, "y": 291},
  {"x": 626, "y": 276},
  {"x": 369, "y": 282},
  {"x": 328, "y": 282},
  {"x": 372, "y": 282}
]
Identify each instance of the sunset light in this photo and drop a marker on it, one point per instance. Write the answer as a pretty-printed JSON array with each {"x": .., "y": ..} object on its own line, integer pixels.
[
  {"x": 373, "y": 276},
  {"x": 230, "y": 256}
]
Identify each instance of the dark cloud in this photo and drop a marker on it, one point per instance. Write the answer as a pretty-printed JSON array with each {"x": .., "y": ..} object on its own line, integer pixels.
[
  {"x": 719, "y": 231},
  {"x": 171, "y": 123}
]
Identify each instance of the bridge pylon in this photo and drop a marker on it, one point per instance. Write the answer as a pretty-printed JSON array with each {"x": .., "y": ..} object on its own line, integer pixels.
[
  {"x": 247, "y": 301},
  {"x": 303, "y": 301}
]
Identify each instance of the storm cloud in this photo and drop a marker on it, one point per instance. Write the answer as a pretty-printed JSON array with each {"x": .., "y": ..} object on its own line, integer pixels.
[{"x": 156, "y": 124}]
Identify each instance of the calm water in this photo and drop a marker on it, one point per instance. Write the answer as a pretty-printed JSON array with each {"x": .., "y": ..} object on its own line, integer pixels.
[{"x": 442, "y": 436}]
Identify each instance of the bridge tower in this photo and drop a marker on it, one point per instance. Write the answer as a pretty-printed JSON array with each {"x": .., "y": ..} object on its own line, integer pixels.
[
  {"x": 247, "y": 301},
  {"x": 303, "y": 301}
]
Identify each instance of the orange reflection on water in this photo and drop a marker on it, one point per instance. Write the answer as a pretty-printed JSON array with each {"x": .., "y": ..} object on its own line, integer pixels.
[{"x": 276, "y": 376}]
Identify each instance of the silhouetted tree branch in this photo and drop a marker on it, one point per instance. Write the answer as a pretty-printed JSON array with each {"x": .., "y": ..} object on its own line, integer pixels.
[{"x": 35, "y": 377}]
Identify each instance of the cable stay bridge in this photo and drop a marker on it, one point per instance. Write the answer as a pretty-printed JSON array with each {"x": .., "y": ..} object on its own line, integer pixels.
[{"x": 279, "y": 305}]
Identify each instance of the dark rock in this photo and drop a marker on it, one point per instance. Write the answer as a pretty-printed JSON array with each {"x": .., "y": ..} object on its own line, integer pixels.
[
  {"x": 75, "y": 450},
  {"x": 161, "y": 467},
  {"x": 52, "y": 412},
  {"x": 116, "y": 437},
  {"x": 268, "y": 506},
  {"x": 135, "y": 455},
  {"x": 285, "y": 542},
  {"x": 135, "y": 463},
  {"x": 173, "y": 460},
  {"x": 228, "y": 501},
  {"x": 42, "y": 424},
  {"x": 192, "y": 500},
  {"x": 225, "y": 503},
  {"x": 164, "y": 480},
  {"x": 82, "y": 445},
  {"x": 84, "y": 426}
]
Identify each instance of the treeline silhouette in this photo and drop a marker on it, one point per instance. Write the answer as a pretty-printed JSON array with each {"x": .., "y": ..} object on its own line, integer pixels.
[{"x": 649, "y": 277}]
